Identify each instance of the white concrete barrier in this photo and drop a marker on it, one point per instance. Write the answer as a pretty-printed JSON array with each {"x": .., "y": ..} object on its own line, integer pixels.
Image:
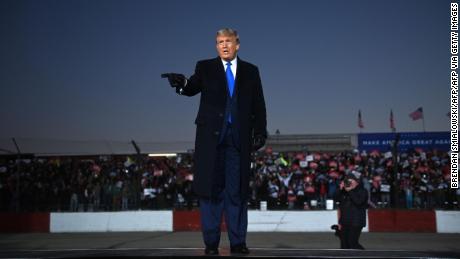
[
  {"x": 447, "y": 221},
  {"x": 111, "y": 221},
  {"x": 292, "y": 221},
  {"x": 258, "y": 221}
]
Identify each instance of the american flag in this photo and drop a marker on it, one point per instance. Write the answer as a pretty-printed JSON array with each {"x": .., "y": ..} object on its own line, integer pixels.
[
  {"x": 417, "y": 114},
  {"x": 360, "y": 120},
  {"x": 392, "y": 121}
]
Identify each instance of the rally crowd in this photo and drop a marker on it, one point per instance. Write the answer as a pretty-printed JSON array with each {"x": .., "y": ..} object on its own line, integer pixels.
[{"x": 293, "y": 180}]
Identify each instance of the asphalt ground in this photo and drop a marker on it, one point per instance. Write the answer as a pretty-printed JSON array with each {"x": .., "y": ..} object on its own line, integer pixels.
[{"x": 189, "y": 244}]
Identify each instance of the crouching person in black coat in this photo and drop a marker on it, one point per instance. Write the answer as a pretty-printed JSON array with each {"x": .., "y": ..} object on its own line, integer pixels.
[{"x": 352, "y": 211}]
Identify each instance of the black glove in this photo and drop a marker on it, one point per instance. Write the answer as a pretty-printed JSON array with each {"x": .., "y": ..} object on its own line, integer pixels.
[
  {"x": 258, "y": 142},
  {"x": 175, "y": 80}
]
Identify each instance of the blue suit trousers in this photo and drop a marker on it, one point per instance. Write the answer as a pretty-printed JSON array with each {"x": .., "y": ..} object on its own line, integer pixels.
[{"x": 226, "y": 197}]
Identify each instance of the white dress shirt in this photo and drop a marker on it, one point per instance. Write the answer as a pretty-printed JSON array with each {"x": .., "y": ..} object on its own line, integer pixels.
[{"x": 233, "y": 66}]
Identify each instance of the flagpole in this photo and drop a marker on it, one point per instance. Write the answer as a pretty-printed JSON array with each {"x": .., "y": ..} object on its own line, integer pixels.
[
  {"x": 392, "y": 122},
  {"x": 423, "y": 123}
]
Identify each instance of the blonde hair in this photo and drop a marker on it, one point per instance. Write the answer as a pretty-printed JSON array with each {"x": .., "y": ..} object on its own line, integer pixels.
[{"x": 228, "y": 32}]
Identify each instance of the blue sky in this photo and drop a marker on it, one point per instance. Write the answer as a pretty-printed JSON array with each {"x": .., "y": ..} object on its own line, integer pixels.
[{"x": 91, "y": 69}]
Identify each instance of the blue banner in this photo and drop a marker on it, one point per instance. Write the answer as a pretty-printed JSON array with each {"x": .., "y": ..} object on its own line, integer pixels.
[{"x": 407, "y": 141}]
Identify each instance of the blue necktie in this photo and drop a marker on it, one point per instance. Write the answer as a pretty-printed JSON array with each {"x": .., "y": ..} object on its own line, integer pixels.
[
  {"x": 230, "y": 83},
  {"x": 230, "y": 79}
]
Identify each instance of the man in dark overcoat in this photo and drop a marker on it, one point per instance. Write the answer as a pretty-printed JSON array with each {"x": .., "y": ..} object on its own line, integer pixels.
[{"x": 231, "y": 123}]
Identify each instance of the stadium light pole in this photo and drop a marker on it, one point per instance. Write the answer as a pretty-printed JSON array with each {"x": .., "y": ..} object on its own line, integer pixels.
[
  {"x": 137, "y": 174},
  {"x": 395, "y": 183},
  {"x": 18, "y": 169}
]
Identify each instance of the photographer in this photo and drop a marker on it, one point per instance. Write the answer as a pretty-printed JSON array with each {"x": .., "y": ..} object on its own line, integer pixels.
[{"x": 352, "y": 211}]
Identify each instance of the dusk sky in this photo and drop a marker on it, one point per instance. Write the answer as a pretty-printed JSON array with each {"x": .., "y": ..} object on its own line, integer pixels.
[{"x": 90, "y": 70}]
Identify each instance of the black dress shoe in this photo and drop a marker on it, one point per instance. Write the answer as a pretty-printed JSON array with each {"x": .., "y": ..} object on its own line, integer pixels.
[
  {"x": 211, "y": 251},
  {"x": 239, "y": 249}
]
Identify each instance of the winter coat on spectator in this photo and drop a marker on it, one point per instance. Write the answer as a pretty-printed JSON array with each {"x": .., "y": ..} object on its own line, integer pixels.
[{"x": 353, "y": 205}]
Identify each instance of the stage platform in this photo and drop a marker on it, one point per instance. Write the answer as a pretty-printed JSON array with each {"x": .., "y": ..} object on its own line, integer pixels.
[{"x": 189, "y": 244}]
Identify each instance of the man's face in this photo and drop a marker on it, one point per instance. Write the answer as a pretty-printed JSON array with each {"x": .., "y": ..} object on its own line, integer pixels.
[{"x": 227, "y": 47}]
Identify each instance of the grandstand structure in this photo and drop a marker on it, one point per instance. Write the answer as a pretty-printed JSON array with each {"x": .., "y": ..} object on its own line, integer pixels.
[
  {"x": 330, "y": 143},
  {"x": 56, "y": 147},
  {"x": 312, "y": 142},
  {"x": 278, "y": 143}
]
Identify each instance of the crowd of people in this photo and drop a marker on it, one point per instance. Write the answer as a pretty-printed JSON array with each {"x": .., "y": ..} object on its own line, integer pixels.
[
  {"x": 305, "y": 181},
  {"x": 292, "y": 180},
  {"x": 103, "y": 183}
]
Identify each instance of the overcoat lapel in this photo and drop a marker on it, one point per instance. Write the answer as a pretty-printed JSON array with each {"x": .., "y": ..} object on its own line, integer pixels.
[
  {"x": 239, "y": 75},
  {"x": 222, "y": 79}
]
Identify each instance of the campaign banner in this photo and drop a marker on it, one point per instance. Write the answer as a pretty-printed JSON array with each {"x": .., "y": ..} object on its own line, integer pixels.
[{"x": 383, "y": 142}]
